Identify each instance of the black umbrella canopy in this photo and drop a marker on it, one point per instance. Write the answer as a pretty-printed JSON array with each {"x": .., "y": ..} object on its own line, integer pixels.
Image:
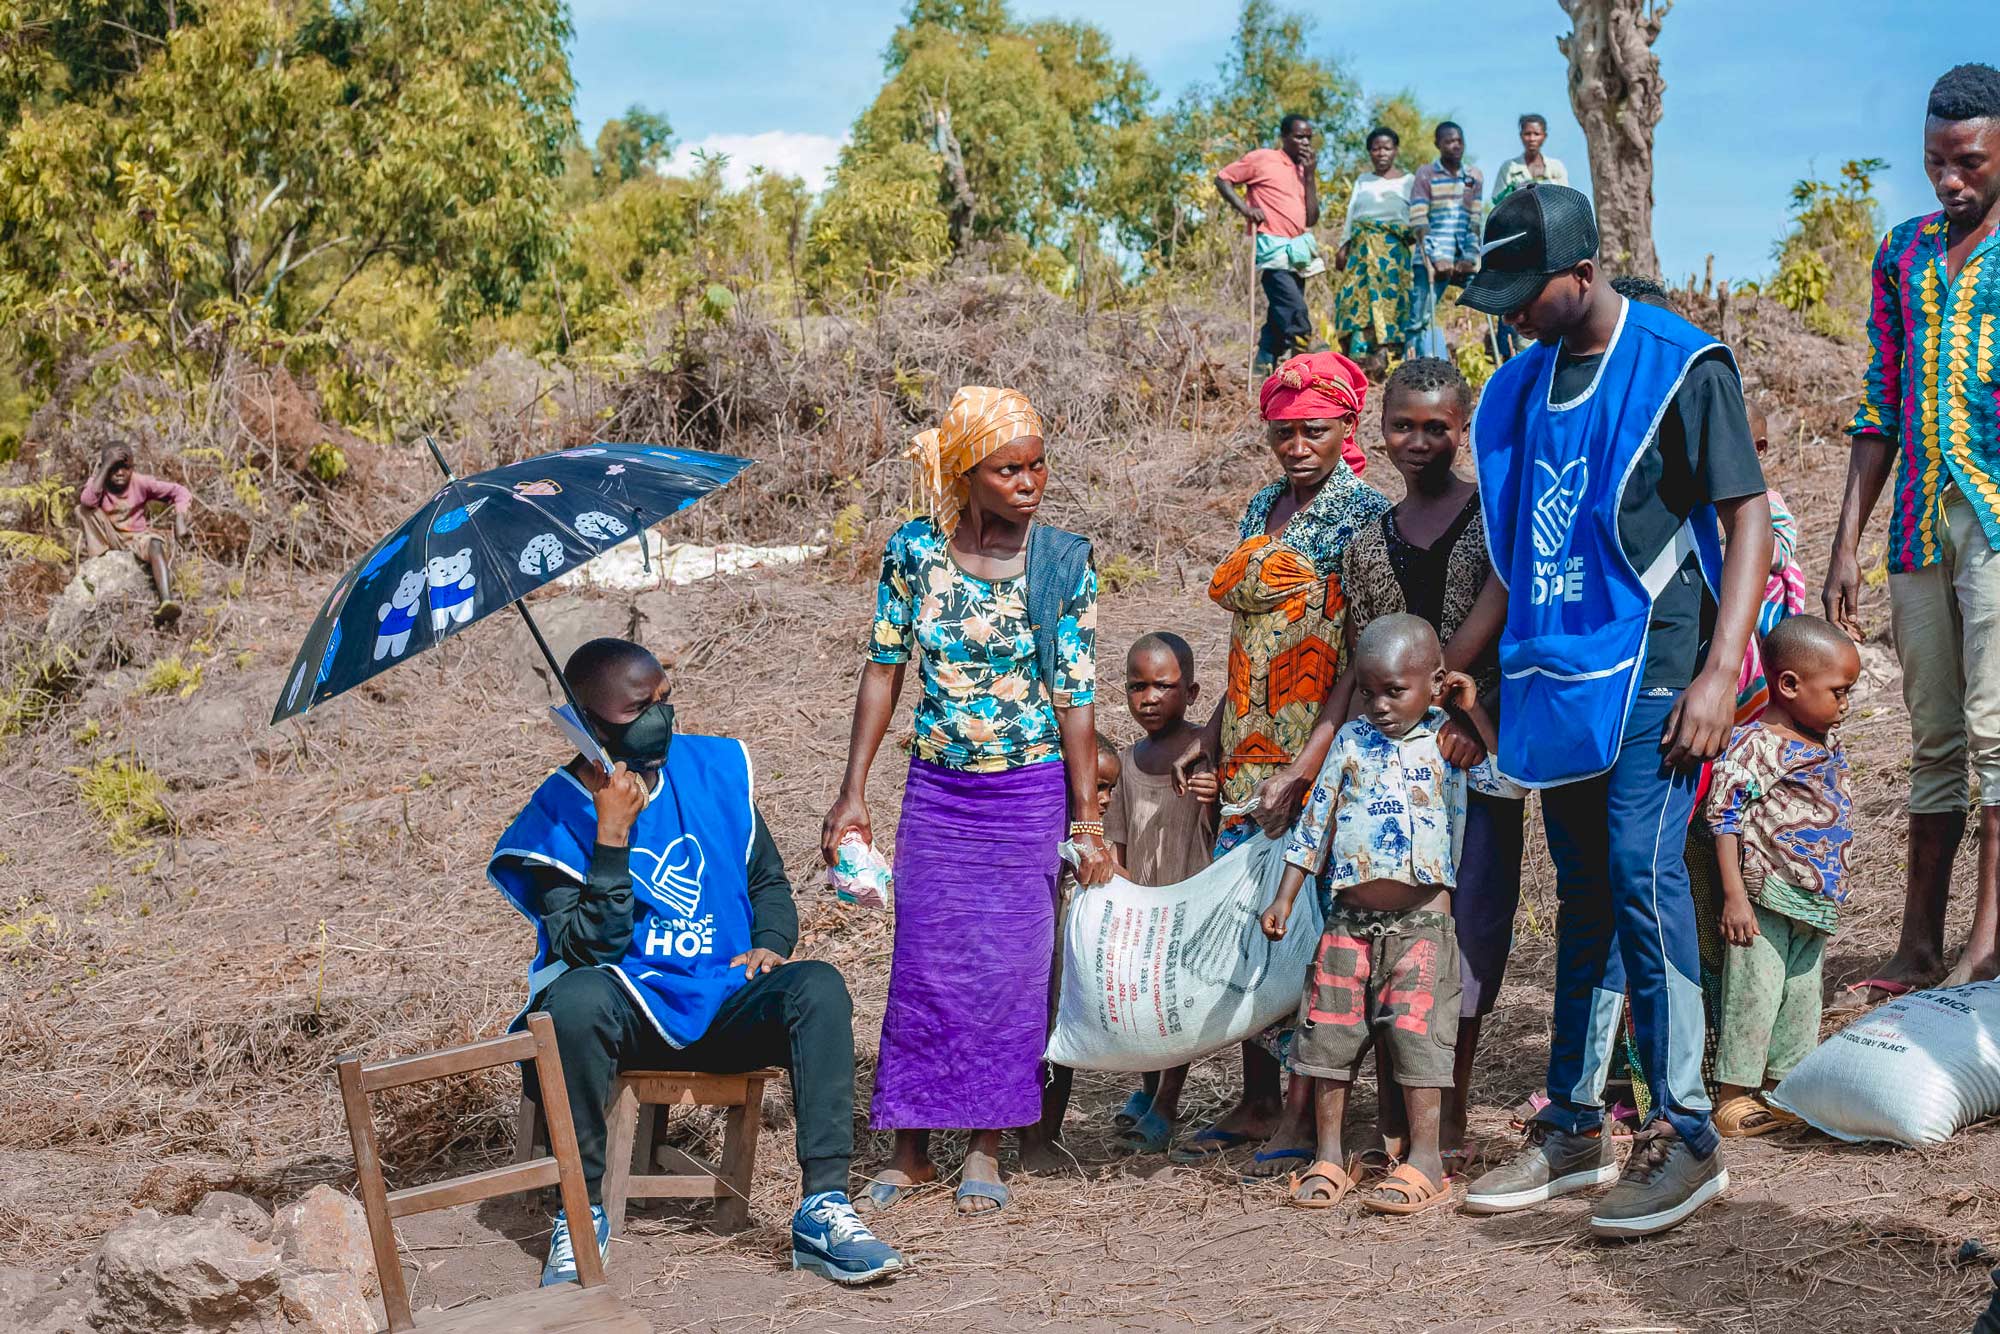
[{"x": 483, "y": 542}]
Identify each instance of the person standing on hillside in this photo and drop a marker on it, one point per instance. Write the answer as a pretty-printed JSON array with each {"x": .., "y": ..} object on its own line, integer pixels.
[
  {"x": 1371, "y": 305},
  {"x": 1531, "y": 166},
  {"x": 1444, "y": 215},
  {"x": 1929, "y": 408},
  {"x": 1614, "y": 455},
  {"x": 1280, "y": 199}
]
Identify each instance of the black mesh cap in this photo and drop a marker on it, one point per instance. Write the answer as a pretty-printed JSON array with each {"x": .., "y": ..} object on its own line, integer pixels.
[{"x": 1536, "y": 231}]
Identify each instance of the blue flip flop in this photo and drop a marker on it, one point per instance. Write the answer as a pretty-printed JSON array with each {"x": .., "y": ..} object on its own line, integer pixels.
[
  {"x": 1206, "y": 1143},
  {"x": 1135, "y": 1107},
  {"x": 884, "y": 1194},
  {"x": 1276, "y": 1156},
  {"x": 1151, "y": 1133},
  {"x": 981, "y": 1190}
]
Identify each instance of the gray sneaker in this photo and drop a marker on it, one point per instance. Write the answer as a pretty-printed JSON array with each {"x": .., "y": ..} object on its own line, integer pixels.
[
  {"x": 1663, "y": 1183},
  {"x": 1553, "y": 1162}
]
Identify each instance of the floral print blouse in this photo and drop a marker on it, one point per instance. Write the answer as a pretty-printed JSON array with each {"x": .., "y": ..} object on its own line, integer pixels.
[
  {"x": 1383, "y": 809},
  {"x": 1787, "y": 801},
  {"x": 1285, "y": 647},
  {"x": 980, "y": 706}
]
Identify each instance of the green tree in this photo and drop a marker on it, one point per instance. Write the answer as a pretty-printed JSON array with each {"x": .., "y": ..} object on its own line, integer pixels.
[
  {"x": 880, "y": 223},
  {"x": 1017, "y": 118},
  {"x": 632, "y": 143},
  {"x": 1825, "y": 260},
  {"x": 1164, "y": 170},
  {"x": 172, "y": 173}
]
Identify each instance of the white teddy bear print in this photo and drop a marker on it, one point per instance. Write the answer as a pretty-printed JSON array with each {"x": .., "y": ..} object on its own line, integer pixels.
[
  {"x": 597, "y": 525},
  {"x": 451, "y": 581},
  {"x": 542, "y": 555},
  {"x": 398, "y": 615}
]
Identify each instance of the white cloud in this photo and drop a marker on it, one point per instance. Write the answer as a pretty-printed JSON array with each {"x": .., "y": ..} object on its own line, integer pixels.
[{"x": 809, "y": 156}]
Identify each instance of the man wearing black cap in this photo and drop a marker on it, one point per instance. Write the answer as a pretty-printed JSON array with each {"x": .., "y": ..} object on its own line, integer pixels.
[{"x": 1607, "y": 453}]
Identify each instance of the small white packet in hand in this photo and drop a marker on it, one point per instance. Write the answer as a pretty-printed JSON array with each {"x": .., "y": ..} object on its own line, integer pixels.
[{"x": 860, "y": 875}]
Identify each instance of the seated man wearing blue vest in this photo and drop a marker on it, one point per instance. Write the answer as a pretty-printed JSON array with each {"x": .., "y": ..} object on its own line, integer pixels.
[
  {"x": 663, "y": 918},
  {"x": 1606, "y": 452}
]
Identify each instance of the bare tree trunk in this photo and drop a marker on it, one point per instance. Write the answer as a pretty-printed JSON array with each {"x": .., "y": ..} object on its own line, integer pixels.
[
  {"x": 1615, "y": 88},
  {"x": 956, "y": 181}
]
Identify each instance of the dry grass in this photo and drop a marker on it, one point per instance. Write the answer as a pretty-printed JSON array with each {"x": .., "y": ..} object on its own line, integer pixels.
[{"x": 170, "y": 1020}]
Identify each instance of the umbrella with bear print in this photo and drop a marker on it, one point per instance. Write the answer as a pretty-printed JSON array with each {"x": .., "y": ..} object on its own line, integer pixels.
[{"x": 483, "y": 543}]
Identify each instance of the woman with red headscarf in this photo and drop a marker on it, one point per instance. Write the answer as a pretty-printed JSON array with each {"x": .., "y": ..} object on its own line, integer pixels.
[{"x": 1281, "y": 586}]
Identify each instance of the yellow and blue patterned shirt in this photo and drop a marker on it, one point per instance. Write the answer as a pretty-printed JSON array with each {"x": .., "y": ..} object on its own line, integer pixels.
[
  {"x": 981, "y": 706},
  {"x": 1932, "y": 386}
]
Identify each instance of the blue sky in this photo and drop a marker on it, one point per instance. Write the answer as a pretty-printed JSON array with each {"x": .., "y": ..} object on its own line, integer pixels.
[{"x": 1759, "y": 92}]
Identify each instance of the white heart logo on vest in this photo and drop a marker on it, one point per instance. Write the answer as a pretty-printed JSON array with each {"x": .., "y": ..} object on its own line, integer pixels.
[
  {"x": 1556, "y": 506},
  {"x": 675, "y": 880}
]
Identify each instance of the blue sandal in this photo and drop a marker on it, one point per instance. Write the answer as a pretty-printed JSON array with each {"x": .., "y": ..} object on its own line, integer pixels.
[
  {"x": 1136, "y": 1106},
  {"x": 882, "y": 1195},
  {"x": 1275, "y": 1156},
  {"x": 1151, "y": 1133},
  {"x": 981, "y": 1190}
]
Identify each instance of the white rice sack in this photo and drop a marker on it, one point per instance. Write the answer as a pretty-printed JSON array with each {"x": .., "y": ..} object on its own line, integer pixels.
[
  {"x": 1911, "y": 1071},
  {"x": 1155, "y": 977}
]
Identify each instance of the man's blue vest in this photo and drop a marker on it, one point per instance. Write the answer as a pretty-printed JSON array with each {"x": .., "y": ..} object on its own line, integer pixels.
[
  {"x": 1552, "y": 479},
  {"x": 690, "y": 857}
]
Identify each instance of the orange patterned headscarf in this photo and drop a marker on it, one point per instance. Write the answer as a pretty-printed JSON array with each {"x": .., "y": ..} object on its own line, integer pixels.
[{"x": 980, "y": 422}]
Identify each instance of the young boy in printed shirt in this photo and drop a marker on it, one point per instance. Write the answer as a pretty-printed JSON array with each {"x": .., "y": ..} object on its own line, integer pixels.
[
  {"x": 1386, "y": 819},
  {"x": 1782, "y": 820}
]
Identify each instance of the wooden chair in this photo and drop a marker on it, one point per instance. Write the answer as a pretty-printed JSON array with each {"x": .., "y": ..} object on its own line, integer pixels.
[
  {"x": 584, "y": 1305},
  {"x": 636, "y": 1122}
]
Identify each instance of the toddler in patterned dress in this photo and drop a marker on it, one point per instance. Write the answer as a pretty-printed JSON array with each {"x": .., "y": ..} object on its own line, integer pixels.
[
  {"x": 1386, "y": 819},
  {"x": 1779, "y": 809}
]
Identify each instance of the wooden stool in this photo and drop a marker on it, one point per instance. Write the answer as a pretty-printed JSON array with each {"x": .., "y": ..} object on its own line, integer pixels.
[
  {"x": 584, "y": 1305},
  {"x": 635, "y": 1124}
]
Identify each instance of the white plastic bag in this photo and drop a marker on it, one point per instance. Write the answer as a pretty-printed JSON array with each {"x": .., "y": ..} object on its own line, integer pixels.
[
  {"x": 860, "y": 875},
  {"x": 1911, "y": 1071},
  {"x": 1155, "y": 977}
]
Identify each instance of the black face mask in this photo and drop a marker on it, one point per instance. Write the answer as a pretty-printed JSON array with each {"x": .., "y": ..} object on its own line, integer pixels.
[{"x": 641, "y": 743}]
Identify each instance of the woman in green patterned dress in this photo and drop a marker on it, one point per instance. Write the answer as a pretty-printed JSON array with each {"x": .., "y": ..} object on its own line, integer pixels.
[{"x": 1372, "y": 308}]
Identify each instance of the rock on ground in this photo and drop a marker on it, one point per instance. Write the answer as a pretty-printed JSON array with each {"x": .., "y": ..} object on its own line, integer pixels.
[
  {"x": 325, "y": 1304},
  {"x": 158, "y": 1273},
  {"x": 327, "y": 1231},
  {"x": 106, "y": 612},
  {"x": 239, "y": 1211}
]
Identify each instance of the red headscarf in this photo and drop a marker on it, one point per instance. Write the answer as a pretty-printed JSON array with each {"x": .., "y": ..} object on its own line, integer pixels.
[{"x": 1318, "y": 384}]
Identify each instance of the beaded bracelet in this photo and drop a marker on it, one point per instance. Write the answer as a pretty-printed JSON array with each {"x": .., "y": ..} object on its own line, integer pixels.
[{"x": 1086, "y": 827}]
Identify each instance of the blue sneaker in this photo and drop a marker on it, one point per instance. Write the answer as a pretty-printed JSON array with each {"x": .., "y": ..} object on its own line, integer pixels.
[
  {"x": 829, "y": 1239},
  {"x": 561, "y": 1265}
]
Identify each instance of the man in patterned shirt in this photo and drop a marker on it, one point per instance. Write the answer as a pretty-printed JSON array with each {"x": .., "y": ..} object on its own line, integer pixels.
[{"x": 1931, "y": 408}]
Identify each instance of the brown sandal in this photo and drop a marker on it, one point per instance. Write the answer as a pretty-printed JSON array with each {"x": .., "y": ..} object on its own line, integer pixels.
[
  {"x": 1405, "y": 1191},
  {"x": 1331, "y": 1173},
  {"x": 1743, "y": 1117}
]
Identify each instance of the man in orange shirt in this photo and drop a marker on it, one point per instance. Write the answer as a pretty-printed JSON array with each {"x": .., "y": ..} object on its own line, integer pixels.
[{"x": 1280, "y": 198}]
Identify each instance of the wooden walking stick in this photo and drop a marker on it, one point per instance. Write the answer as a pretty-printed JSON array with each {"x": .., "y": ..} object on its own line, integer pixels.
[{"x": 1250, "y": 230}]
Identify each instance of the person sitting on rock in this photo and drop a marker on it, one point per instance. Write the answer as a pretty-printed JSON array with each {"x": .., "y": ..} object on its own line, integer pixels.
[
  {"x": 112, "y": 513},
  {"x": 663, "y": 920}
]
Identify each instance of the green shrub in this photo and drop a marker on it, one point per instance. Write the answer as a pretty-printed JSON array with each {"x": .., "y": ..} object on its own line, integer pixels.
[{"x": 127, "y": 796}]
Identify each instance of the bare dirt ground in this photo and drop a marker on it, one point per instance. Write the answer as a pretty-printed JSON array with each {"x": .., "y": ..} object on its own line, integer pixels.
[{"x": 169, "y": 1013}]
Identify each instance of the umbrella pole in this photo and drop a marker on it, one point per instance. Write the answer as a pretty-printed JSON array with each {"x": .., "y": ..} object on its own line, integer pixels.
[{"x": 520, "y": 605}]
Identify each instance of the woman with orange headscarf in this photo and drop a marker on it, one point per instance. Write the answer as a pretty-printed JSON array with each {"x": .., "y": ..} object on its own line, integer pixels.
[
  {"x": 1000, "y": 613},
  {"x": 1281, "y": 586}
]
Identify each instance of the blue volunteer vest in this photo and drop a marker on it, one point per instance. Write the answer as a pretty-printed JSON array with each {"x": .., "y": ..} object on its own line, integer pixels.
[
  {"x": 1551, "y": 481},
  {"x": 690, "y": 880}
]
